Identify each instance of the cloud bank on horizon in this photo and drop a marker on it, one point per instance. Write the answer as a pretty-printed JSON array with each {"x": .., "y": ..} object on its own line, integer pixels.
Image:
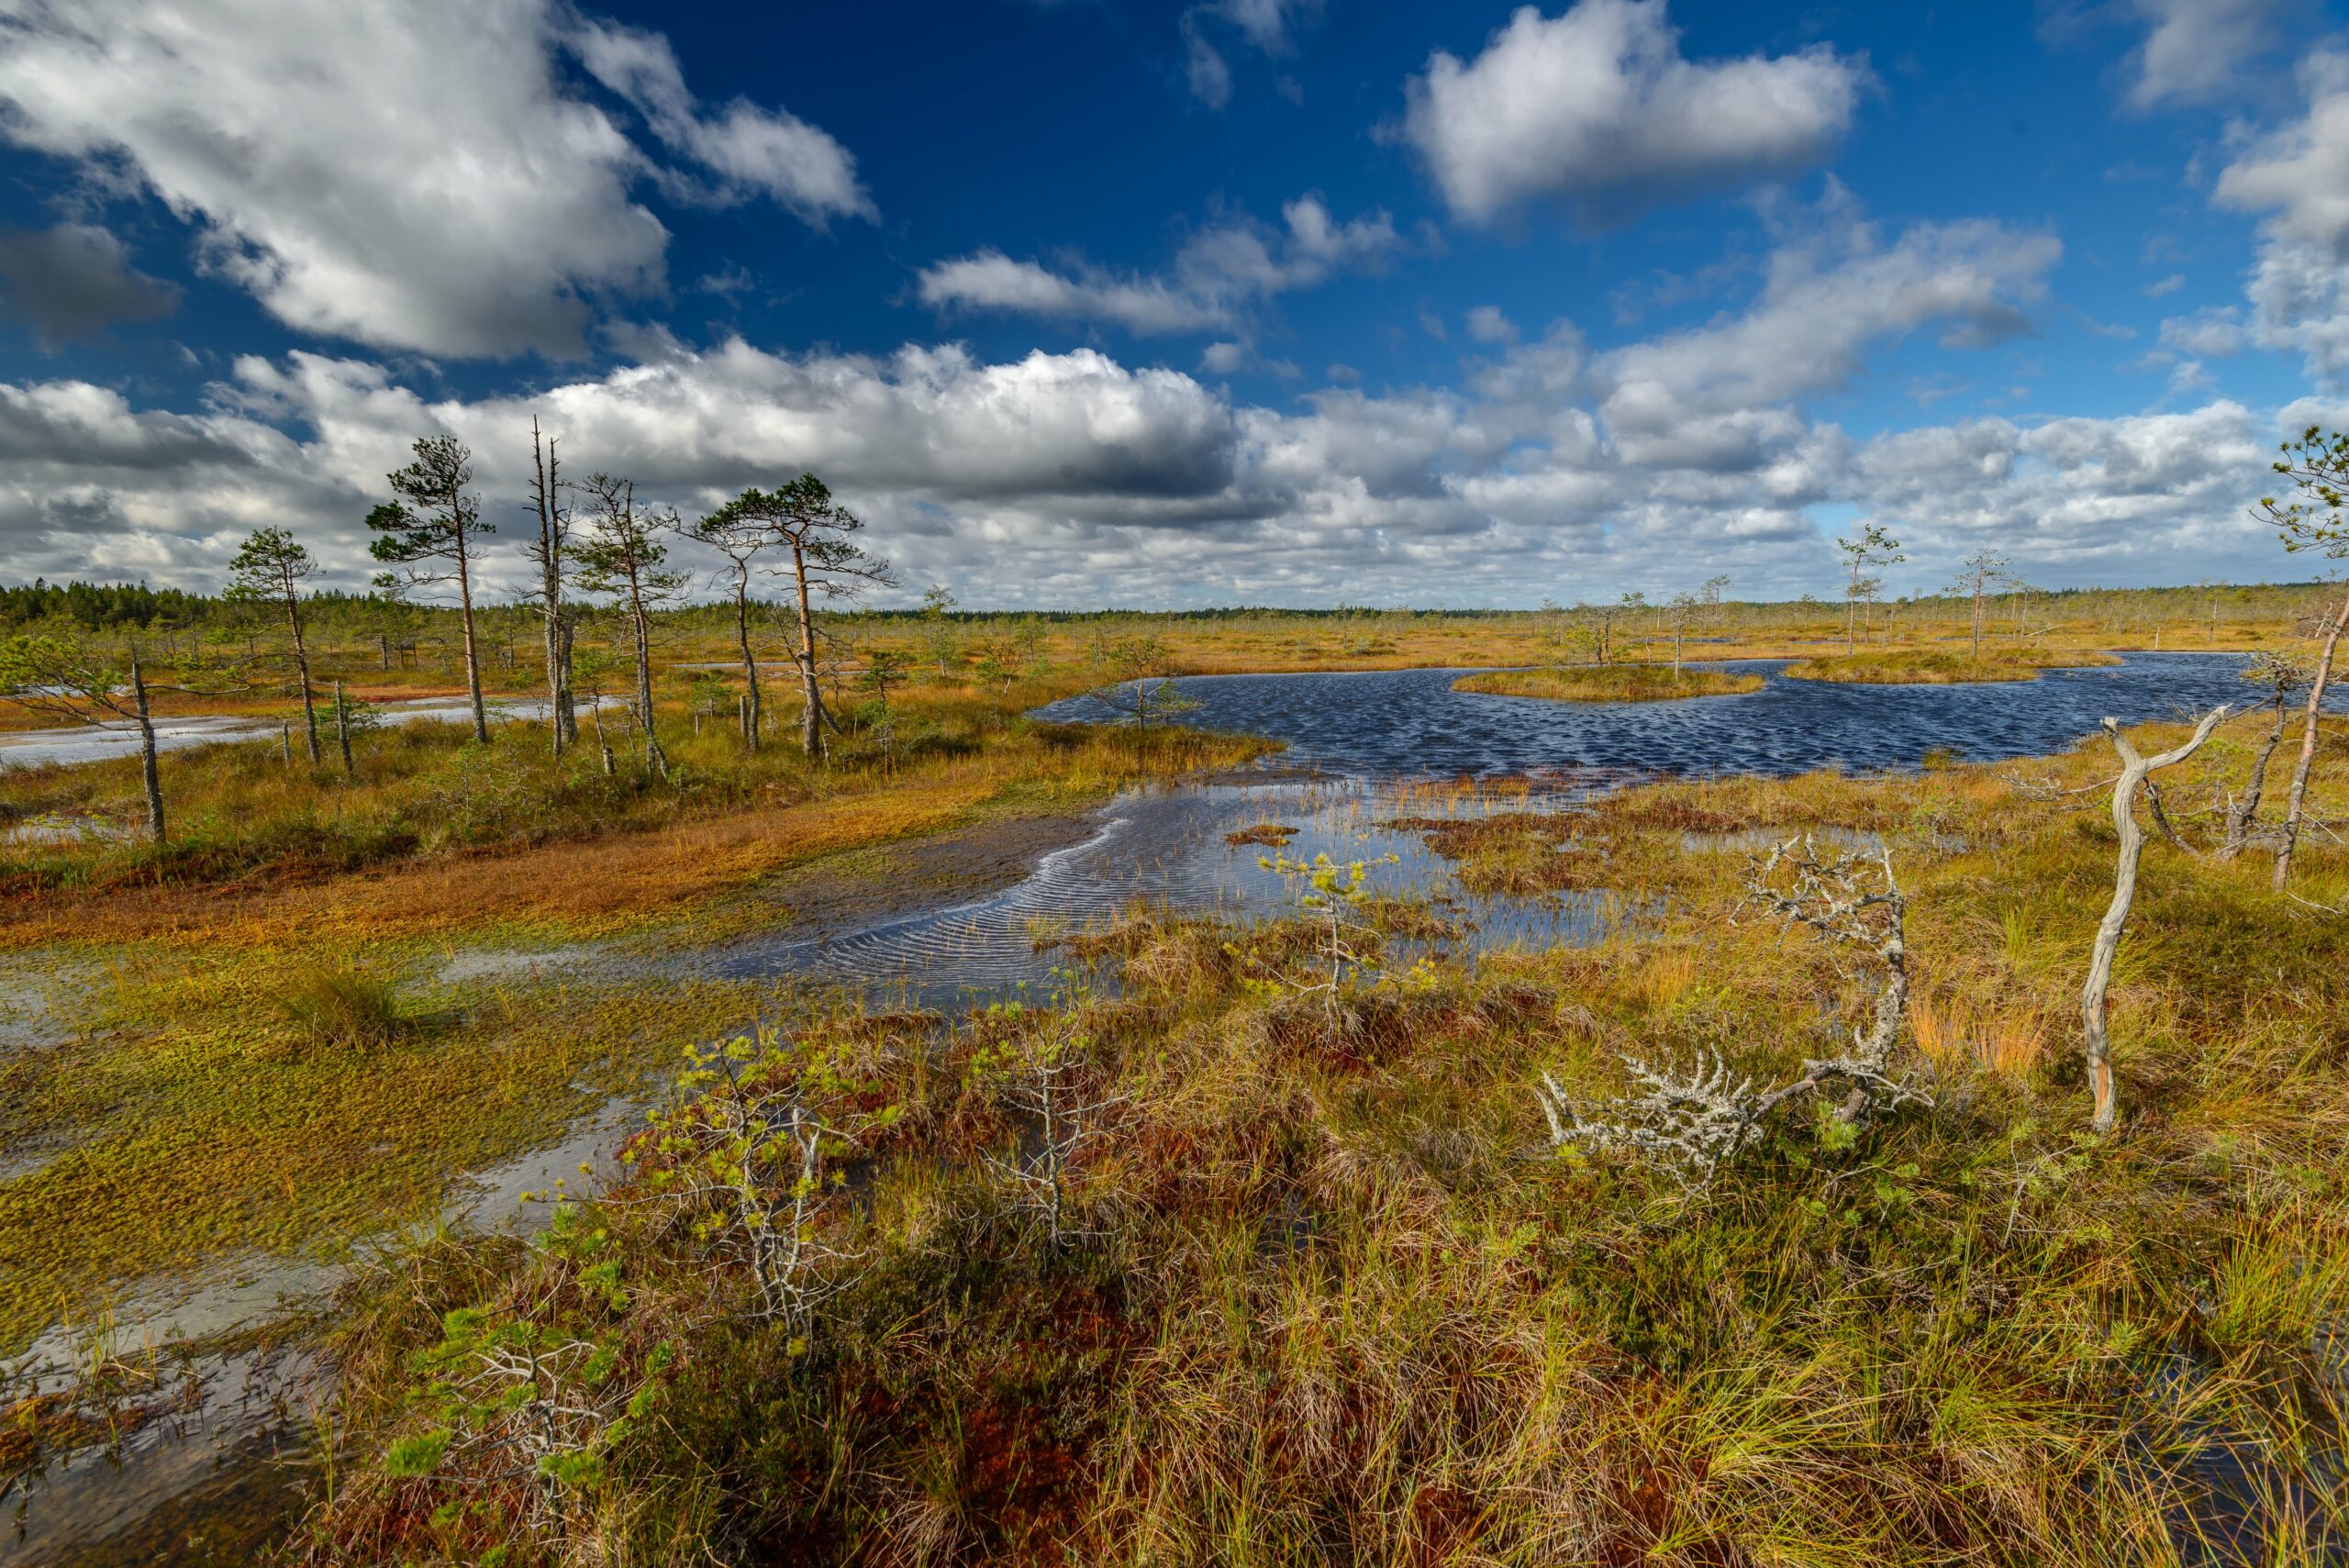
[{"x": 1250, "y": 301}]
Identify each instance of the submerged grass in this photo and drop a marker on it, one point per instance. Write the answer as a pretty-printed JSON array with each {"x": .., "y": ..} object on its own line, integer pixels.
[
  {"x": 1334, "y": 1298},
  {"x": 1610, "y": 683}
]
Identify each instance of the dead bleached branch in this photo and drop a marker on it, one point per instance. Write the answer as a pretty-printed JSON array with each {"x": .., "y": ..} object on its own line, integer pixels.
[{"x": 1694, "y": 1119}]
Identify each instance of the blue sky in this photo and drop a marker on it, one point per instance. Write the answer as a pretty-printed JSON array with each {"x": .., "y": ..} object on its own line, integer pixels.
[{"x": 1250, "y": 300}]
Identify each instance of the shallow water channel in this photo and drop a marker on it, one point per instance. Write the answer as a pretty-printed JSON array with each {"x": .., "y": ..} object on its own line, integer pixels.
[
  {"x": 97, "y": 743},
  {"x": 1362, "y": 748}
]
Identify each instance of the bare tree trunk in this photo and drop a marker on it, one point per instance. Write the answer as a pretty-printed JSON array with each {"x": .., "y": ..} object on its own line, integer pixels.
[
  {"x": 465, "y": 603},
  {"x": 2162, "y": 822},
  {"x": 749, "y": 665},
  {"x": 342, "y": 729},
  {"x": 302, "y": 668},
  {"x": 811, "y": 718},
  {"x": 2134, "y": 770},
  {"x": 150, "y": 776},
  {"x": 2294, "y": 801},
  {"x": 544, "y": 479},
  {"x": 569, "y": 698},
  {"x": 654, "y": 757},
  {"x": 2246, "y": 810}
]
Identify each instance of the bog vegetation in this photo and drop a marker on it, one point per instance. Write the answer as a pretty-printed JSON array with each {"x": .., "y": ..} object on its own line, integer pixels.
[{"x": 1919, "y": 1170}]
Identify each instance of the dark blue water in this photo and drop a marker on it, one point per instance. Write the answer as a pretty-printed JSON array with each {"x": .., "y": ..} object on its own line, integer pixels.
[{"x": 1412, "y": 722}]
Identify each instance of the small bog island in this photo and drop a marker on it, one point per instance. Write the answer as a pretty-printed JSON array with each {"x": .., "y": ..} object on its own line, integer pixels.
[
  {"x": 1931, "y": 667},
  {"x": 1609, "y": 682}
]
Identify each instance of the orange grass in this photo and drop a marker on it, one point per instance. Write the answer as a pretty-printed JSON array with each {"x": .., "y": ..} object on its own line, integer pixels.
[{"x": 586, "y": 886}]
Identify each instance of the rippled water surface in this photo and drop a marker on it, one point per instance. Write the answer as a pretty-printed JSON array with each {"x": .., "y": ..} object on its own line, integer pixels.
[{"x": 1412, "y": 722}]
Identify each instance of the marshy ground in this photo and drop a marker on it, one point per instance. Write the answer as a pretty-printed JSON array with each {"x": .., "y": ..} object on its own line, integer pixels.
[{"x": 1322, "y": 1288}]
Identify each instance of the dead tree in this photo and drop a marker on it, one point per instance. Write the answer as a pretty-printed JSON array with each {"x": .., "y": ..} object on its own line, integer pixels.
[
  {"x": 2318, "y": 466},
  {"x": 1692, "y": 1120},
  {"x": 547, "y": 554},
  {"x": 2281, "y": 674},
  {"x": 2134, "y": 770}
]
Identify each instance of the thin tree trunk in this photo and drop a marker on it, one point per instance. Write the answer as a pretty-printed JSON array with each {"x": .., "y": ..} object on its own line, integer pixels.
[
  {"x": 2134, "y": 768},
  {"x": 544, "y": 482},
  {"x": 342, "y": 731},
  {"x": 465, "y": 603},
  {"x": 2299, "y": 795},
  {"x": 749, "y": 665},
  {"x": 570, "y": 697},
  {"x": 149, "y": 776},
  {"x": 2246, "y": 811},
  {"x": 302, "y": 668},
  {"x": 811, "y": 718},
  {"x": 654, "y": 757}
]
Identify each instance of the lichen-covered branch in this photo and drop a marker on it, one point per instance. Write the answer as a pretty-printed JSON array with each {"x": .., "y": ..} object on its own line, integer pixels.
[{"x": 1694, "y": 1119}]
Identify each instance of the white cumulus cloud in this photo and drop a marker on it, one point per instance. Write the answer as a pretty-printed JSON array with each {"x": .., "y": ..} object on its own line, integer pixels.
[
  {"x": 1598, "y": 111},
  {"x": 2194, "y": 51},
  {"x": 411, "y": 174},
  {"x": 1220, "y": 272}
]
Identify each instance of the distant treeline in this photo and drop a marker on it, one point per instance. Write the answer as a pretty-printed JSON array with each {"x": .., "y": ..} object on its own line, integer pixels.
[
  {"x": 117, "y": 605},
  {"x": 107, "y": 606}
]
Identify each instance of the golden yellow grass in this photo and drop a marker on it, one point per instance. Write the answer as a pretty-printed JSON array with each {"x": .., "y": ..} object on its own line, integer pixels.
[
  {"x": 1953, "y": 1036},
  {"x": 1939, "y": 667},
  {"x": 585, "y": 886},
  {"x": 1610, "y": 683}
]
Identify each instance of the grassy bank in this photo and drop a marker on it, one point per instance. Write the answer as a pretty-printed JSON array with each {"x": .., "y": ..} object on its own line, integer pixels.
[
  {"x": 1939, "y": 667},
  {"x": 1609, "y": 682},
  {"x": 1311, "y": 1280}
]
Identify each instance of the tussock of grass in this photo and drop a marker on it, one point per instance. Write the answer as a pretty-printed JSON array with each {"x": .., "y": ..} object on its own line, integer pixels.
[
  {"x": 343, "y": 1006},
  {"x": 1936, "y": 667},
  {"x": 1610, "y": 683}
]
